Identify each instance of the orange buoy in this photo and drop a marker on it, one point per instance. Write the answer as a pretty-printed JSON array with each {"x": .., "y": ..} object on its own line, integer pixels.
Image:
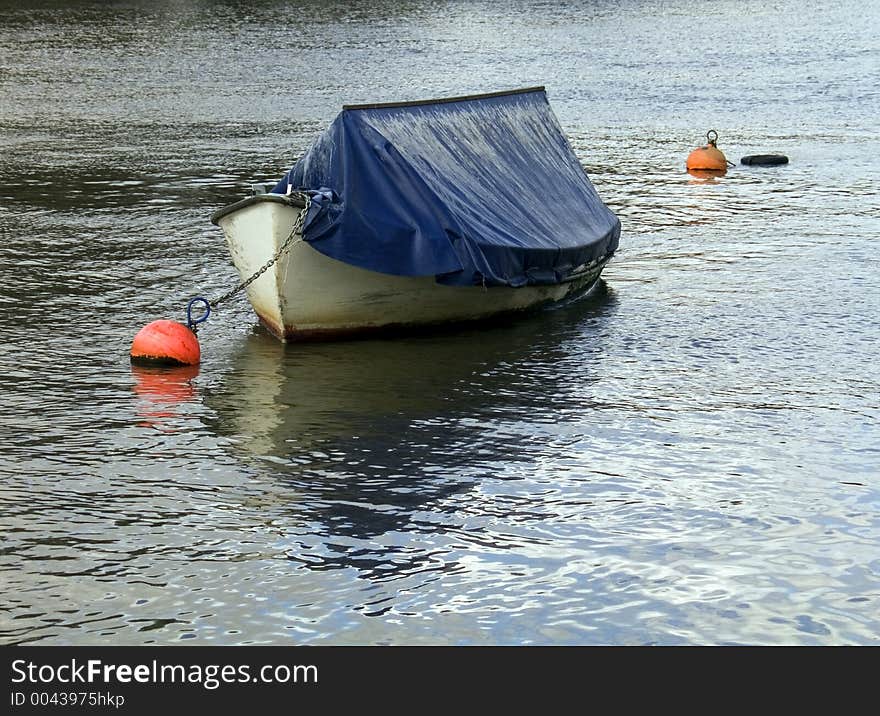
[
  {"x": 709, "y": 157},
  {"x": 165, "y": 343}
]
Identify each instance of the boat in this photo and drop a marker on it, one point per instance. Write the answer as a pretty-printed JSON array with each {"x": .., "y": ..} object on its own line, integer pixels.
[{"x": 420, "y": 213}]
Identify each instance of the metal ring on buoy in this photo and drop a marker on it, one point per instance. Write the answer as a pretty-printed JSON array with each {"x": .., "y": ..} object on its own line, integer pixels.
[{"x": 189, "y": 319}]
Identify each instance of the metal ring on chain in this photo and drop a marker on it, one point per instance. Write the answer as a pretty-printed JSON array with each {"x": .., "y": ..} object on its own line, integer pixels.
[{"x": 192, "y": 323}]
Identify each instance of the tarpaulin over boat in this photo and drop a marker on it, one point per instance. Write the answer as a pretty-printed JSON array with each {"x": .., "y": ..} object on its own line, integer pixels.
[{"x": 475, "y": 190}]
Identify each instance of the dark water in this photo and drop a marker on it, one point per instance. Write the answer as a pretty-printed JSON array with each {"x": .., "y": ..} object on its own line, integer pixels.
[{"x": 691, "y": 457}]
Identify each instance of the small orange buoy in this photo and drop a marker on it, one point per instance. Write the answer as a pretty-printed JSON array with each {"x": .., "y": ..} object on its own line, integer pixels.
[
  {"x": 165, "y": 343},
  {"x": 169, "y": 343},
  {"x": 709, "y": 157}
]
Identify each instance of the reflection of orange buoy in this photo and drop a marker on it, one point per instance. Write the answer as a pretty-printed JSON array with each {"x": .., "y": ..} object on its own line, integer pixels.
[
  {"x": 704, "y": 176},
  {"x": 165, "y": 385},
  {"x": 165, "y": 343},
  {"x": 162, "y": 390},
  {"x": 709, "y": 157}
]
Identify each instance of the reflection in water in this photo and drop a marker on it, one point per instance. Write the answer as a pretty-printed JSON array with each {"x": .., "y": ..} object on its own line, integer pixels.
[
  {"x": 688, "y": 459},
  {"x": 368, "y": 433},
  {"x": 709, "y": 176},
  {"x": 162, "y": 390}
]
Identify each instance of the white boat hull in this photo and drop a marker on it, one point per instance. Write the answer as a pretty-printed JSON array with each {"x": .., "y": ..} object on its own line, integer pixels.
[{"x": 306, "y": 294}]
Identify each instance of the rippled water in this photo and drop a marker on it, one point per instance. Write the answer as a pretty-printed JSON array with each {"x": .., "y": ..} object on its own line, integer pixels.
[{"x": 691, "y": 457}]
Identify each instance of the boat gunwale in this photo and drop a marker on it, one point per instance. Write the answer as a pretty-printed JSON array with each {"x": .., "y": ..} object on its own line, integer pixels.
[{"x": 291, "y": 201}]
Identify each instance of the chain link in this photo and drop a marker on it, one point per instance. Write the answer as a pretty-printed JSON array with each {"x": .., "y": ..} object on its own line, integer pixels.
[{"x": 285, "y": 246}]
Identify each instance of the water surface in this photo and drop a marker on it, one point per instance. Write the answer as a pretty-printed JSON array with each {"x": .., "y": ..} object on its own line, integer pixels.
[{"x": 690, "y": 457}]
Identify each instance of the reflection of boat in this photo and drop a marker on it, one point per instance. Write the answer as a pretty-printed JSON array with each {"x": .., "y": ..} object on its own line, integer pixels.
[
  {"x": 356, "y": 438},
  {"x": 280, "y": 402},
  {"x": 423, "y": 213},
  {"x": 277, "y": 403}
]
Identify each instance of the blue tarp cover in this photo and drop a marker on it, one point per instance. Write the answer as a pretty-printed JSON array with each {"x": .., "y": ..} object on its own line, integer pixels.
[{"x": 477, "y": 190}]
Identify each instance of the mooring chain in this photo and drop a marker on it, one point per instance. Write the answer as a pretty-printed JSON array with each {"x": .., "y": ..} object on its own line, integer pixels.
[
  {"x": 288, "y": 242},
  {"x": 285, "y": 246}
]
